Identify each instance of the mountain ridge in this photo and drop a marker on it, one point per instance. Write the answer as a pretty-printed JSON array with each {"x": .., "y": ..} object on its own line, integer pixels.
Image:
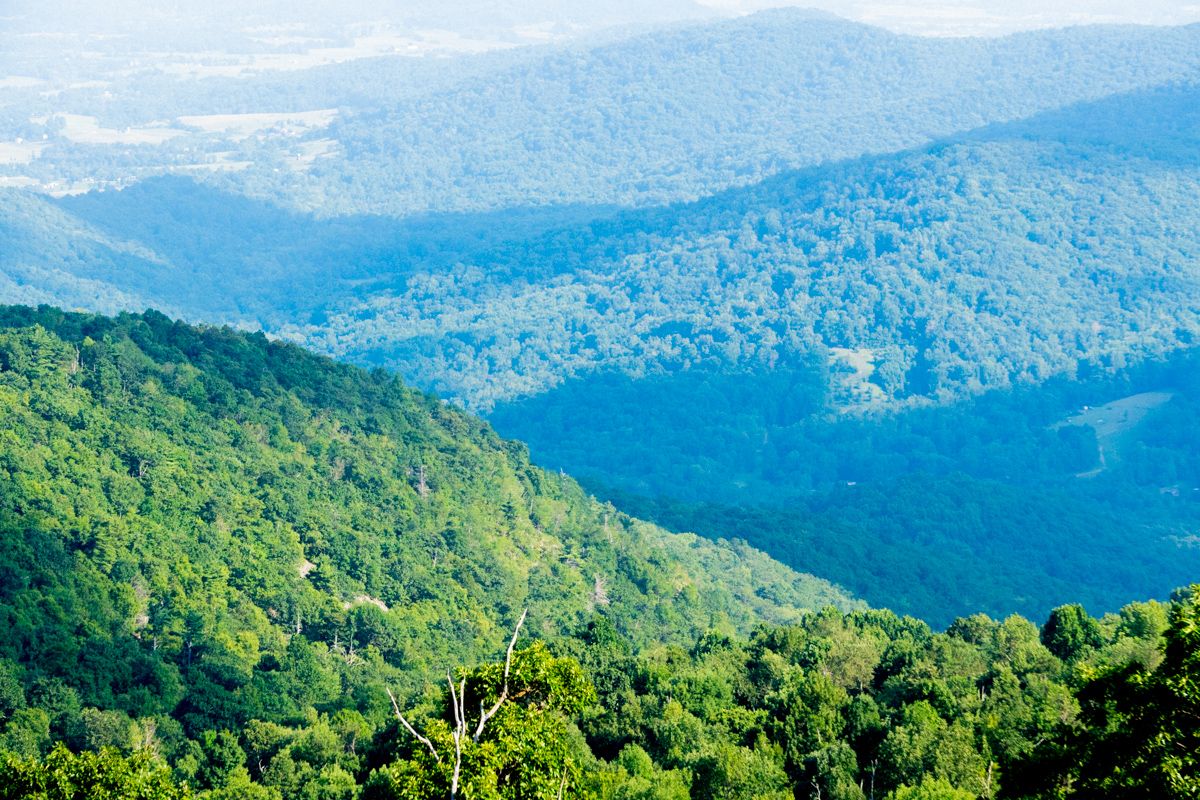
[{"x": 207, "y": 478}]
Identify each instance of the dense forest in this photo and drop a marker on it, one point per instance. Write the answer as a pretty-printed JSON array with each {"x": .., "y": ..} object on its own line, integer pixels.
[
  {"x": 927, "y": 273},
  {"x": 1011, "y": 494},
  {"x": 695, "y": 362},
  {"x": 201, "y": 528},
  {"x": 681, "y": 114},
  {"x": 842, "y": 706},
  {"x": 922, "y": 274},
  {"x": 222, "y": 555},
  {"x": 900, "y": 334}
]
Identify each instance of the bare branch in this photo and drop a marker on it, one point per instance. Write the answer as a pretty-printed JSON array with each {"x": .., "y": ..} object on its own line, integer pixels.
[
  {"x": 458, "y": 720},
  {"x": 511, "y": 644},
  {"x": 459, "y": 732},
  {"x": 485, "y": 716},
  {"x": 411, "y": 729}
]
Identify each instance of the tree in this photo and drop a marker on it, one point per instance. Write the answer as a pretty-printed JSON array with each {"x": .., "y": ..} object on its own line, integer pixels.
[
  {"x": 931, "y": 789},
  {"x": 727, "y": 772},
  {"x": 1069, "y": 632},
  {"x": 106, "y": 775},
  {"x": 518, "y": 745},
  {"x": 1143, "y": 737}
]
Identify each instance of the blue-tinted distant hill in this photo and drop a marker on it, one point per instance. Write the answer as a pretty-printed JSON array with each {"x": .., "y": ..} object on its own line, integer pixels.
[
  {"x": 681, "y": 113},
  {"x": 1006, "y": 255},
  {"x": 698, "y": 352},
  {"x": 707, "y": 348}
]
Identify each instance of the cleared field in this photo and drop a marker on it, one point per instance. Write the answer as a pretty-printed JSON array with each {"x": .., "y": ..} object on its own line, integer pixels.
[
  {"x": 87, "y": 130},
  {"x": 243, "y": 125},
  {"x": 857, "y": 384},
  {"x": 19, "y": 152},
  {"x": 1111, "y": 420},
  {"x": 16, "y": 182},
  {"x": 311, "y": 151},
  {"x": 20, "y": 82},
  {"x": 413, "y": 44}
]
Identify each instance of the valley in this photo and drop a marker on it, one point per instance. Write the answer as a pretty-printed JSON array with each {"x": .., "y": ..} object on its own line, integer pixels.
[{"x": 537, "y": 400}]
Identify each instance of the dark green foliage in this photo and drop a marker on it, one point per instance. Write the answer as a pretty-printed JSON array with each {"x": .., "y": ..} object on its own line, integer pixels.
[
  {"x": 1070, "y": 633},
  {"x": 1018, "y": 499},
  {"x": 201, "y": 528},
  {"x": 1143, "y": 735}
]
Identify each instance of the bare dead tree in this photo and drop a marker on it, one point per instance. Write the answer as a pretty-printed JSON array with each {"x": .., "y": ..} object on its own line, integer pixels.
[
  {"x": 408, "y": 725},
  {"x": 485, "y": 716},
  {"x": 987, "y": 781},
  {"x": 458, "y": 700}
]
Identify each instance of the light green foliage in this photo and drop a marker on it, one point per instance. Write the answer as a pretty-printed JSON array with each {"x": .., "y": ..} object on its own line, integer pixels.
[
  {"x": 224, "y": 548},
  {"x": 106, "y": 775},
  {"x": 634, "y": 776},
  {"x": 931, "y": 789},
  {"x": 218, "y": 550},
  {"x": 727, "y": 772},
  {"x": 187, "y": 501},
  {"x": 525, "y": 750}
]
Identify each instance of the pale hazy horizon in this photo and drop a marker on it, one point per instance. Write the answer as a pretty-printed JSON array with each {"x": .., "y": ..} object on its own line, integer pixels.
[{"x": 920, "y": 17}]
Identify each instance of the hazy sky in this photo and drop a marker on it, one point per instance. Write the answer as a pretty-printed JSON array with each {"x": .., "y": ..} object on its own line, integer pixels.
[{"x": 936, "y": 17}]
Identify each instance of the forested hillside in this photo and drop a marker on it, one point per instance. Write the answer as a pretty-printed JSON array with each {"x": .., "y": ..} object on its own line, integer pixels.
[
  {"x": 728, "y": 365},
  {"x": 920, "y": 273},
  {"x": 1084, "y": 488},
  {"x": 679, "y": 114},
  {"x": 626, "y": 116},
  {"x": 691, "y": 360},
  {"x": 1009, "y": 255},
  {"x": 221, "y": 554},
  {"x": 923, "y": 274},
  {"x": 178, "y": 497}
]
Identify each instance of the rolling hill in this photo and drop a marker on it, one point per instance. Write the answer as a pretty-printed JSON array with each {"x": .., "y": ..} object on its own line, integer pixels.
[
  {"x": 721, "y": 353},
  {"x": 178, "y": 502},
  {"x": 682, "y": 113}
]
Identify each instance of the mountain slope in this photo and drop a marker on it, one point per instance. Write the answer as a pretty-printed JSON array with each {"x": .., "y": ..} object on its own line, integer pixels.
[
  {"x": 921, "y": 274},
  {"x": 662, "y": 116},
  {"x": 682, "y": 113},
  {"x": 177, "y": 502},
  {"x": 1004, "y": 256},
  {"x": 1085, "y": 488}
]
